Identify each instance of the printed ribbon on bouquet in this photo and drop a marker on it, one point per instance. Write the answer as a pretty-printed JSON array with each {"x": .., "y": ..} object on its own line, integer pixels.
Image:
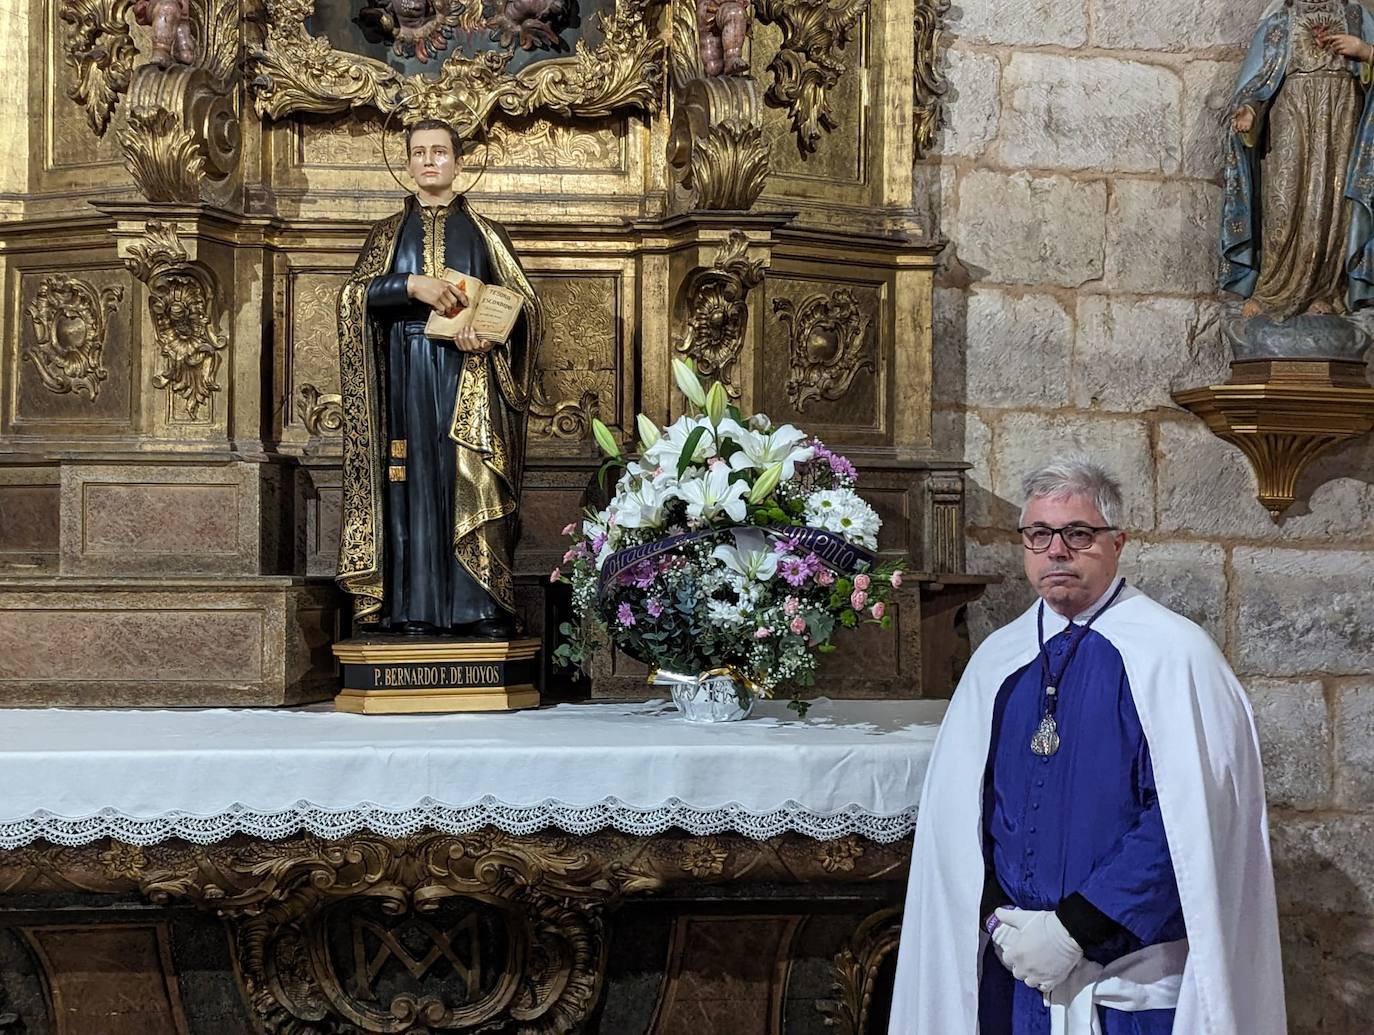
[{"x": 836, "y": 552}]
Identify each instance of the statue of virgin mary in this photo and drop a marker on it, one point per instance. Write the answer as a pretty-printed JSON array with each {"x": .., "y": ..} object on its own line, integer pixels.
[{"x": 1298, "y": 212}]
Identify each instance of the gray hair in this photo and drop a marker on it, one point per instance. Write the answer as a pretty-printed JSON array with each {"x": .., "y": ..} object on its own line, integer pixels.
[{"x": 1074, "y": 475}]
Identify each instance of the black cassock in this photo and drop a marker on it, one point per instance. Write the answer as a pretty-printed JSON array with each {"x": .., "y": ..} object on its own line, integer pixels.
[{"x": 423, "y": 580}]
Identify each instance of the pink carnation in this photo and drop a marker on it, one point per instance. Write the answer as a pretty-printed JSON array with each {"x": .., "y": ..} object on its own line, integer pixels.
[
  {"x": 570, "y": 528},
  {"x": 791, "y": 606},
  {"x": 762, "y": 633},
  {"x": 798, "y": 625},
  {"x": 879, "y": 609},
  {"x": 862, "y": 582},
  {"x": 896, "y": 579},
  {"x": 556, "y": 574},
  {"x": 858, "y": 599},
  {"x": 825, "y": 577}
]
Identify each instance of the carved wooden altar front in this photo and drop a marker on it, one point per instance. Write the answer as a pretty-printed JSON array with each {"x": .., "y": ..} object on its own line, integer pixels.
[
  {"x": 722, "y": 180},
  {"x": 482, "y": 932}
]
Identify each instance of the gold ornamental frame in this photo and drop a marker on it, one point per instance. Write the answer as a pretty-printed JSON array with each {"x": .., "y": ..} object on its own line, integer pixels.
[{"x": 294, "y": 72}]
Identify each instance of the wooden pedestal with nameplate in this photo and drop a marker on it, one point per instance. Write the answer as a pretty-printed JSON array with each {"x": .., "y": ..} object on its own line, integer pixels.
[{"x": 401, "y": 675}]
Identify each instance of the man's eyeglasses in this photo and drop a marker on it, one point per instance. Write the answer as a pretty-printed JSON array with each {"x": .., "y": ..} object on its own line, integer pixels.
[{"x": 1037, "y": 538}]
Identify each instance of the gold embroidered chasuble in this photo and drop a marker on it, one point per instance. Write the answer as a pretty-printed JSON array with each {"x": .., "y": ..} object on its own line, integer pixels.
[{"x": 487, "y": 426}]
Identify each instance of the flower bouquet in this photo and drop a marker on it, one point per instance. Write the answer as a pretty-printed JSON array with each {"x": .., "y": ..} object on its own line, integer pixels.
[{"x": 731, "y": 553}]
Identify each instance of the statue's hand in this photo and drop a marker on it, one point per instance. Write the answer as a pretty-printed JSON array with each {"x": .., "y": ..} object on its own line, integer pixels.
[
  {"x": 438, "y": 294},
  {"x": 1244, "y": 120},
  {"x": 1350, "y": 47},
  {"x": 467, "y": 341}
]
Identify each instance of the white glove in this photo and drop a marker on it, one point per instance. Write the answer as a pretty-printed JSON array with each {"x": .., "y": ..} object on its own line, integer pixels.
[{"x": 1035, "y": 947}]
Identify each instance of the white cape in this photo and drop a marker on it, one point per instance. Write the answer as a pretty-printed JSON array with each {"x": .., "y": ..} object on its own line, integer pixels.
[{"x": 1206, "y": 761}]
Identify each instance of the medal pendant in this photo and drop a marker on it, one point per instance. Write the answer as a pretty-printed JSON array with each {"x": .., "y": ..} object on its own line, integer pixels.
[{"x": 1046, "y": 739}]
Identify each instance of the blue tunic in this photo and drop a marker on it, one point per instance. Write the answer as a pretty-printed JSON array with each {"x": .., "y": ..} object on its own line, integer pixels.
[{"x": 1084, "y": 820}]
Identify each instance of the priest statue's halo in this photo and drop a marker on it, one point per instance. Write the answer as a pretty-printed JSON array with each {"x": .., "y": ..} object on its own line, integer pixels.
[{"x": 415, "y": 110}]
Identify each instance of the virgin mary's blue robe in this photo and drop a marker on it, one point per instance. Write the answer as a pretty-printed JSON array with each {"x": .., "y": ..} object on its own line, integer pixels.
[{"x": 1261, "y": 77}]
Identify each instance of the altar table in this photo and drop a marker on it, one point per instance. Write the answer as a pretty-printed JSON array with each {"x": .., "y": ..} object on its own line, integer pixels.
[{"x": 586, "y": 867}]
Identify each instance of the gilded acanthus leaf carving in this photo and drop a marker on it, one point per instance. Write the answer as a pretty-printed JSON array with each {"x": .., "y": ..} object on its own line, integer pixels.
[
  {"x": 808, "y": 63},
  {"x": 715, "y": 310},
  {"x": 856, "y": 971},
  {"x": 181, "y": 301},
  {"x": 69, "y": 318},
  {"x": 828, "y": 339},
  {"x": 715, "y": 147},
  {"x": 321, "y": 413},
  {"x": 294, "y": 71},
  {"x": 162, "y": 156},
  {"x": 100, "y": 52},
  {"x": 930, "y": 81}
]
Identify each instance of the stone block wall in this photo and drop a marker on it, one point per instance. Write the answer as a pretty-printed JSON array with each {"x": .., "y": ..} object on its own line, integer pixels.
[{"x": 1078, "y": 180}]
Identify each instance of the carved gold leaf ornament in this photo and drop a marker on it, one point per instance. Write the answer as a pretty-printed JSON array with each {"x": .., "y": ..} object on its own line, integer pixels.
[
  {"x": 321, "y": 413},
  {"x": 162, "y": 156},
  {"x": 296, "y": 72},
  {"x": 181, "y": 301},
  {"x": 856, "y": 971},
  {"x": 715, "y": 145},
  {"x": 827, "y": 341},
  {"x": 97, "y": 46},
  {"x": 715, "y": 310},
  {"x": 808, "y": 63},
  {"x": 70, "y": 322},
  {"x": 930, "y": 82}
]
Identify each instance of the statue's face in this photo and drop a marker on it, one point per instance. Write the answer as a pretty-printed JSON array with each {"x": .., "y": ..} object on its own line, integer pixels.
[{"x": 432, "y": 161}]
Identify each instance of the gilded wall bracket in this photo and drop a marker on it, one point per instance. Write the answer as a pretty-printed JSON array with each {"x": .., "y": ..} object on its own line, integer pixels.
[
  {"x": 294, "y": 71},
  {"x": 809, "y": 62},
  {"x": 713, "y": 306},
  {"x": 70, "y": 321},
  {"x": 183, "y": 303},
  {"x": 100, "y": 52}
]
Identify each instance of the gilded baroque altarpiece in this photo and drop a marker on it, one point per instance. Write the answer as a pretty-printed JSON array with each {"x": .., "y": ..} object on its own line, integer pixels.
[
  {"x": 723, "y": 180},
  {"x": 184, "y": 188}
]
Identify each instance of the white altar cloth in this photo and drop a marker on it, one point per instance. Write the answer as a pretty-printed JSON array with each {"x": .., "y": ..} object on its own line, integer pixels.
[{"x": 73, "y": 776}]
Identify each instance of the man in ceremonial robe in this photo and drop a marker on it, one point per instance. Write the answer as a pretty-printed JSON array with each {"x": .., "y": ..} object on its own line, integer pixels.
[
  {"x": 434, "y": 430},
  {"x": 1092, "y": 853}
]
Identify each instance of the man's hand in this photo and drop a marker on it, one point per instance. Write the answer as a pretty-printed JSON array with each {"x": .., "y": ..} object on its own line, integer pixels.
[
  {"x": 1035, "y": 947},
  {"x": 1350, "y": 47},
  {"x": 467, "y": 341},
  {"x": 439, "y": 295},
  {"x": 1244, "y": 120}
]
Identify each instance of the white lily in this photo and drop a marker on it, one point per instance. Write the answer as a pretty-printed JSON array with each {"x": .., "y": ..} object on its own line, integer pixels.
[
  {"x": 763, "y": 449},
  {"x": 666, "y": 452},
  {"x": 712, "y": 493},
  {"x": 751, "y": 558}
]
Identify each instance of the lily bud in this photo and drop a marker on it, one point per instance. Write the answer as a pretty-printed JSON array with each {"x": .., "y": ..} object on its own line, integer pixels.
[
  {"x": 768, "y": 481},
  {"x": 688, "y": 383},
  {"x": 716, "y": 401},
  {"x": 605, "y": 439},
  {"x": 648, "y": 432}
]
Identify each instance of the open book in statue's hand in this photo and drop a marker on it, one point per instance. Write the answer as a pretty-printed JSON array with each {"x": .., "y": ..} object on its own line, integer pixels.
[{"x": 491, "y": 310}]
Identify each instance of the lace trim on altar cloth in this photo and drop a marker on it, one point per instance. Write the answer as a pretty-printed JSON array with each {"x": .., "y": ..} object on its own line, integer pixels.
[{"x": 428, "y": 814}]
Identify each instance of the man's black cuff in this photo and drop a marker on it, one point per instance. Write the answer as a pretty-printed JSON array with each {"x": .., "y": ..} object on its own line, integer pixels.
[{"x": 1089, "y": 926}]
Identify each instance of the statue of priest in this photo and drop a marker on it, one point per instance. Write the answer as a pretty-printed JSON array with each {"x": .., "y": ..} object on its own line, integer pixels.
[{"x": 434, "y": 430}]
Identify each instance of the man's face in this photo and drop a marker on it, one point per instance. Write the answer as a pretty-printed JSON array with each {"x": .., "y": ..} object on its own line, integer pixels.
[
  {"x": 1069, "y": 580},
  {"x": 432, "y": 161}
]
